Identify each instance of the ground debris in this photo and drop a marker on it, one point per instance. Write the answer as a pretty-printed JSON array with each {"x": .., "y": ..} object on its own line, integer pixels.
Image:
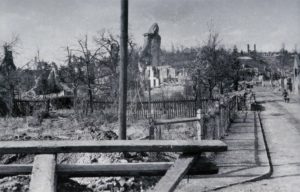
[{"x": 70, "y": 128}]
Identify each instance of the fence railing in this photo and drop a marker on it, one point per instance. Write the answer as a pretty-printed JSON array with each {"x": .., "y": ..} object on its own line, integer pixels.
[
  {"x": 155, "y": 109},
  {"x": 211, "y": 122},
  {"x": 135, "y": 110},
  {"x": 27, "y": 107}
]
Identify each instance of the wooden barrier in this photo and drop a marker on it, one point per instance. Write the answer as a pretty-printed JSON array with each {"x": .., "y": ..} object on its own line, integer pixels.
[
  {"x": 173, "y": 121},
  {"x": 201, "y": 167},
  {"x": 44, "y": 169},
  {"x": 213, "y": 121},
  {"x": 175, "y": 174},
  {"x": 156, "y": 125},
  {"x": 110, "y": 146}
]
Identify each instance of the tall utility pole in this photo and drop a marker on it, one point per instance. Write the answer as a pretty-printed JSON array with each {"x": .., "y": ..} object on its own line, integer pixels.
[{"x": 123, "y": 69}]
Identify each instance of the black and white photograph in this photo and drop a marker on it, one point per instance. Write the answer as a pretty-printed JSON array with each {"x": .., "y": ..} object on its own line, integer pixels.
[{"x": 149, "y": 95}]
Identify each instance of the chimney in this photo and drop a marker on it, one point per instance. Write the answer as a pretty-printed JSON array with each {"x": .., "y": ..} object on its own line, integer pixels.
[
  {"x": 254, "y": 47},
  {"x": 248, "y": 48}
]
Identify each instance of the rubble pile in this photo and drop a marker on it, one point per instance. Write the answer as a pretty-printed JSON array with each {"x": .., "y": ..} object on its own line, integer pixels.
[
  {"x": 15, "y": 184},
  {"x": 21, "y": 184}
]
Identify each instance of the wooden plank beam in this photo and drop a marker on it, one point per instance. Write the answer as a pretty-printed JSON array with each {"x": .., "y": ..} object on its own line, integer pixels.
[
  {"x": 106, "y": 170},
  {"x": 174, "y": 175},
  {"x": 43, "y": 176},
  {"x": 15, "y": 169},
  {"x": 120, "y": 169},
  {"x": 177, "y": 120},
  {"x": 110, "y": 146}
]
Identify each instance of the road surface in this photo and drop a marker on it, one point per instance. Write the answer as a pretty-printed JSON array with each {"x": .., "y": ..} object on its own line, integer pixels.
[{"x": 281, "y": 122}]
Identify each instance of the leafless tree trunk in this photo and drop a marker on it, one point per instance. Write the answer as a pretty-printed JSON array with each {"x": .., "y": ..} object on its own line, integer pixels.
[{"x": 89, "y": 60}]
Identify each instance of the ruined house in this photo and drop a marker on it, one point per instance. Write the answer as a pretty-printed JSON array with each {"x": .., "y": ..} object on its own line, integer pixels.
[{"x": 165, "y": 74}]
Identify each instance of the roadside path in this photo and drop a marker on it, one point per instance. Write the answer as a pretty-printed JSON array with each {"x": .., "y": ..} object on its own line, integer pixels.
[
  {"x": 281, "y": 122},
  {"x": 246, "y": 158}
]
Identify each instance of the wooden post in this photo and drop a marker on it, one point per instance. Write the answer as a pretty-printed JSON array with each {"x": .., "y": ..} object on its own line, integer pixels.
[
  {"x": 43, "y": 178},
  {"x": 224, "y": 115},
  {"x": 166, "y": 126},
  {"x": 47, "y": 106},
  {"x": 159, "y": 132},
  {"x": 175, "y": 173},
  {"x": 149, "y": 100},
  {"x": 218, "y": 121},
  {"x": 123, "y": 69},
  {"x": 151, "y": 129},
  {"x": 199, "y": 128},
  {"x": 228, "y": 114},
  {"x": 222, "y": 119},
  {"x": 236, "y": 103}
]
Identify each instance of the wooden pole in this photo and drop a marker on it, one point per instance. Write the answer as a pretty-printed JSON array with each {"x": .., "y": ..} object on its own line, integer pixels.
[
  {"x": 199, "y": 128},
  {"x": 123, "y": 69}
]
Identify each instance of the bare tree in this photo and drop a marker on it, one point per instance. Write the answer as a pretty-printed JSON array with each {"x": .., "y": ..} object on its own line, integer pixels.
[
  {"x": 89, "y": 58},
  {"x": 96, "y": 66},
  {"x": 110, "y": 47},
  {"x": 73, "y": 74},
  {"x": 207, "y": 63},
  {"x": 108, "y": 62},
  {"x": 214, "y": 65}
]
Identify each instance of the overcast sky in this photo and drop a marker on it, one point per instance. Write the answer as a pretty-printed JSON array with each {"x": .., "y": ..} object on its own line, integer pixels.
[{"x": 51, "y": 25}]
